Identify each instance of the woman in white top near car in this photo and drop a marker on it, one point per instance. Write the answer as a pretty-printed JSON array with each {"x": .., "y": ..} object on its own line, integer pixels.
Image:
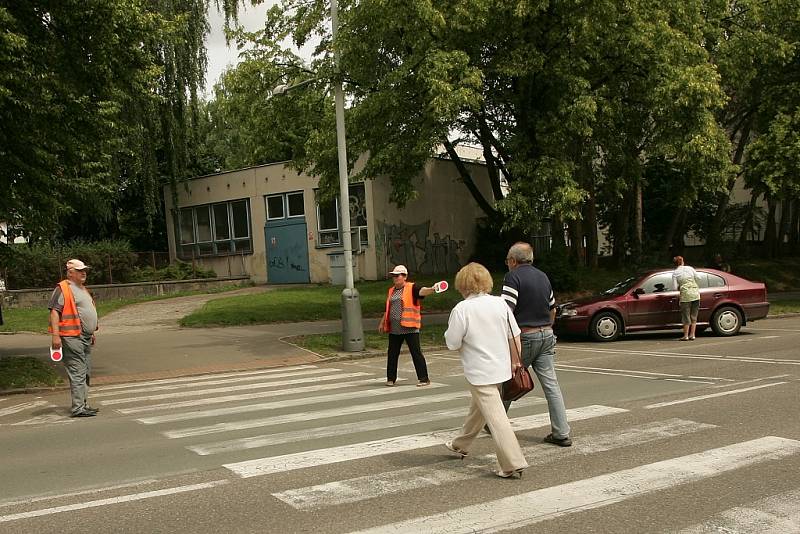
[
  {"x": 684, "y": 279},
  {"x": 481, "y": 328}
]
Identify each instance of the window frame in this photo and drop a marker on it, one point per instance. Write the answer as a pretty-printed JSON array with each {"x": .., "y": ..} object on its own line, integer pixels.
[
  {"x": 359, "y": 230},
  {"x": 233, "y": 244}
]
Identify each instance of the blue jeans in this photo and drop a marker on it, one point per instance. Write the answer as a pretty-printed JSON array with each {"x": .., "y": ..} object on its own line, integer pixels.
[{"x": 539, "y": 352}]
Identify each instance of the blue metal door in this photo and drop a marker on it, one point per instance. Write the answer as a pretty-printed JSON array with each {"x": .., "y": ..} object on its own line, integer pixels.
[{"x": 287, "y": 251}]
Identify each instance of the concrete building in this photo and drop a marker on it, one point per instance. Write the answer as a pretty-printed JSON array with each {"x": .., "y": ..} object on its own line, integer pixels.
[{"x": 266, "y": 222}]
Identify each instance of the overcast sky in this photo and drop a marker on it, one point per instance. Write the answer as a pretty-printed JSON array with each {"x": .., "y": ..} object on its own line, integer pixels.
[{"x": 220, "y": 55}]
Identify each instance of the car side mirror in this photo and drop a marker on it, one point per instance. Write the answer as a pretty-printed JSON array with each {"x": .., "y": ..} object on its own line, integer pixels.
[{"x": 638, "y": 291}]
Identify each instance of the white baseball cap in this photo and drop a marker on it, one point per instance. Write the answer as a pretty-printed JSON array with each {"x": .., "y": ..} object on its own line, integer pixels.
[
  {"x": 400, "y": 269},
  {"x": 78, "y": 265}
]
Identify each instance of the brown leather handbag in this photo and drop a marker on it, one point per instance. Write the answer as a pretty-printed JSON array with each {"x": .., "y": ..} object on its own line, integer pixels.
[{"x": 521, "y": 382}]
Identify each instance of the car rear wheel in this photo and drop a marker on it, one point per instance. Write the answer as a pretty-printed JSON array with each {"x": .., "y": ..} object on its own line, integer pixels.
[
  {"x": 606, "y": 326},
  {"x": 727, "y": 321}
]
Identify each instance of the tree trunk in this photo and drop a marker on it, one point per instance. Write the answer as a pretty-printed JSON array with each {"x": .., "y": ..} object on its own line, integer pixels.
[
  {"x": 577, "y": 250},
  {"x": 714, "y": 235},
  {"x": 747, "y": 227},
  {"x": 466, "y": 177},
  {"x": 621, "y": 230},
  {"x": 590, "y": 216},
  {"x": 783, "y": 228},
  {"x": 770, "y": 236},
  {"x": 794, "y": 232},
  {"x": 557, "y": 233},
  {"x": 638, "y": 230}
]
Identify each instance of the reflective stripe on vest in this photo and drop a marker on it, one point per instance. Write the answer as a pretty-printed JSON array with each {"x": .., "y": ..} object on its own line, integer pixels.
[
  {"x": 411, "y": 316},
  {"x": 69, "y": 324}
]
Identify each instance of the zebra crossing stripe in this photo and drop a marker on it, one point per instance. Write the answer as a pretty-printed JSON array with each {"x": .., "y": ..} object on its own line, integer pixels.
[
  {"x": 357, "y": 451},
  {"x": 198, "y": 379},
  {"x": 778, "y": 513},
  {"x": 206, "y": 382},
  {"x": 42, "y": 419},
  {"x": 311, "y": 416},
  {"x": 112, "y": 500},
  {"x": 22, "y": 407},
  {"x": 529, "y": 508},
  {"x": 244, "y": 396},
  {"x": 228, "y": 389},
  {"x": 266, "y": 440},
  {"x": 711, "y": 396},
  {"x": 306, "y": 401},
  {"x": 382, "y": 484}
]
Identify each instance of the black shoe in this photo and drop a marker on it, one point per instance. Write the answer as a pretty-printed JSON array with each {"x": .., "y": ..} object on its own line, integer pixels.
[
  {"x": 84, "y": 413},
  {"x": 561, "y": 442},
  {"x": 88, "y": 408}
]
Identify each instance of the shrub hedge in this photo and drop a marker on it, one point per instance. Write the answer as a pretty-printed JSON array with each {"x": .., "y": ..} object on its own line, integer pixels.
[{"x": 26, "y": 266}]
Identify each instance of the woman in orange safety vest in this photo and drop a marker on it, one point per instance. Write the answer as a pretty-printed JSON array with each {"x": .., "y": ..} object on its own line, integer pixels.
[{"x": 402, "y": 321}]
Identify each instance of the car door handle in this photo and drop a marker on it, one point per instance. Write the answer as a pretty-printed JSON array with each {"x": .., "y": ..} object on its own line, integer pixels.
[{"x": 717, "y": 295}]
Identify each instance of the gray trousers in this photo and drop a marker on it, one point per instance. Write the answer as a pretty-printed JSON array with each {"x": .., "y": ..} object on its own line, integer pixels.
[{"x": 77, "y": 352}]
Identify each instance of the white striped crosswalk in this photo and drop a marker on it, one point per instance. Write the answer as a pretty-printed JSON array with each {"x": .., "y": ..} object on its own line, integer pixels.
[{"x": 267, "y": 423}]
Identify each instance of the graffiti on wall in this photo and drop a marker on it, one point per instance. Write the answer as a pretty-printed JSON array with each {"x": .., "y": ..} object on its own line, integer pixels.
[{"x": 413, "y": 246}]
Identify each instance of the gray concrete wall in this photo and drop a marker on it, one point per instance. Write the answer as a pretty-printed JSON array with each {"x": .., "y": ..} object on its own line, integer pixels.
[{"x": 38, "y": 298}]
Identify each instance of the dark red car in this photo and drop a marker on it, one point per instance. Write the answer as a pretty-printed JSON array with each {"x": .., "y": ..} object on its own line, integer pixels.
[{"x": 648, "y": 302}]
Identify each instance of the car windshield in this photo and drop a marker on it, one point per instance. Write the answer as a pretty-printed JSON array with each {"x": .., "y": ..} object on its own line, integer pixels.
[{"x": 622, "y": 287}]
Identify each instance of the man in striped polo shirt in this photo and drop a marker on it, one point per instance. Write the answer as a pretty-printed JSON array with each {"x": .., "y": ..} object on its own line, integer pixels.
[{"x": 528, "y": 293}]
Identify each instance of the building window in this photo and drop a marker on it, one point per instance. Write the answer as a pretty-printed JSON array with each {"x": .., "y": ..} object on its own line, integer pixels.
[
  {"x": 328, "y": 219},
  {"x": 285, "y": 205},
  {"x": 275, "y": 207},
  {"x": 215, "y": 229}
]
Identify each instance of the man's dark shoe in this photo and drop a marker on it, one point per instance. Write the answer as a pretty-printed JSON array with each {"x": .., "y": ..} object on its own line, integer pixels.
[
  {"x": 84, "y": 413},
  {"x": 88, "y": 408},
  {"x": 561, "y": 442}
]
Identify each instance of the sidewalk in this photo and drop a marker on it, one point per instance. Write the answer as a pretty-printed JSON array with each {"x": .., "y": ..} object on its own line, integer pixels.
[{"x": 144, "y": 342}]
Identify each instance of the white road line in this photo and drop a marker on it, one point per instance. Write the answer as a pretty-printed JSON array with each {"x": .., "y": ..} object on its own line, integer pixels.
[
  {"x": 659, "y": 378},
  {"x": 778, "y": 513},
  {"x": 357, "y": 451},
  {"x": 742, "y": 382},
  {"x": 529, "y": 508},
  {"x": 228, "y": 389},
  {"x": 265, "y": 440},
  {"x": 111, "y": 500},
  {"x": 22, "y": 407},
  {"x": 312, "y": 416},
  {"x": 669, "y": 375},
  {"x": 54, "y": 496},
  {"x": 172, "y": 387},
  {"x": 45, "y": 419},
  {"x": 402, "y": 480},
  {"x": 289, "y": 403},
  {"x": 711, "y": 396},
  {"x": 768, "y": 337},
  {"x": 779, "y": 330},
  {"x": 688, "y": 356},
  {"x": 200, "y": 378},
  {"x": 244, "y": 396}
]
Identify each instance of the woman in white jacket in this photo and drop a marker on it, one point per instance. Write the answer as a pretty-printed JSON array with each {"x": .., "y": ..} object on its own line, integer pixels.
[{"x": 481, "y": 328}]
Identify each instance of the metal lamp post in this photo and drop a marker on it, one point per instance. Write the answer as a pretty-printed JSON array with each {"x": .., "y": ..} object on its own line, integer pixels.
[{"x": 352, "y": 327}]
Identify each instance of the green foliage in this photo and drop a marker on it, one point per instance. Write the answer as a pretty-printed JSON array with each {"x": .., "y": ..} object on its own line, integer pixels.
[
  {"x": 42, "y": 265},
  {"x": 179, "y": 270},
  {"x": 561, "y": 271}
]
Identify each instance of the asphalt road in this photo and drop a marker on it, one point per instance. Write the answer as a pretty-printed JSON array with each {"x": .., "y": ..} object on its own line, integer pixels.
[{"x": 668, "y": 436}]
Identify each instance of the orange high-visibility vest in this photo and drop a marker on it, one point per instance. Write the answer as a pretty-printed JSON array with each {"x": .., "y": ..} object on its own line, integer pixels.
[
  {"x": 70, "y": 323},
  {"x": 412, "y": 313}
]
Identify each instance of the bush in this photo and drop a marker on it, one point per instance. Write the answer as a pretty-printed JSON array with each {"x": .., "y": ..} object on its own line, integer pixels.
[
  {"x": 562, "y": 272},
  {"x": 42, "y": 265},
  {"x": 179, "y": 270}
]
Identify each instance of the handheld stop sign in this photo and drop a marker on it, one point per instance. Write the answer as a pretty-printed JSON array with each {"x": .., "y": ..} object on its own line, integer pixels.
[
  {"x": 55, "y": 354},
  {"x": 441, "y": 287}
]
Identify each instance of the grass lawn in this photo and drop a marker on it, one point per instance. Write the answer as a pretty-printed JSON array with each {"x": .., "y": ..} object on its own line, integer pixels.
[
  {"x": 25, "y": 372},
  {"x": 784, "y": 306},
  {"x": 305, "y": 304},
  {"x": 36, "y": 319}
]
